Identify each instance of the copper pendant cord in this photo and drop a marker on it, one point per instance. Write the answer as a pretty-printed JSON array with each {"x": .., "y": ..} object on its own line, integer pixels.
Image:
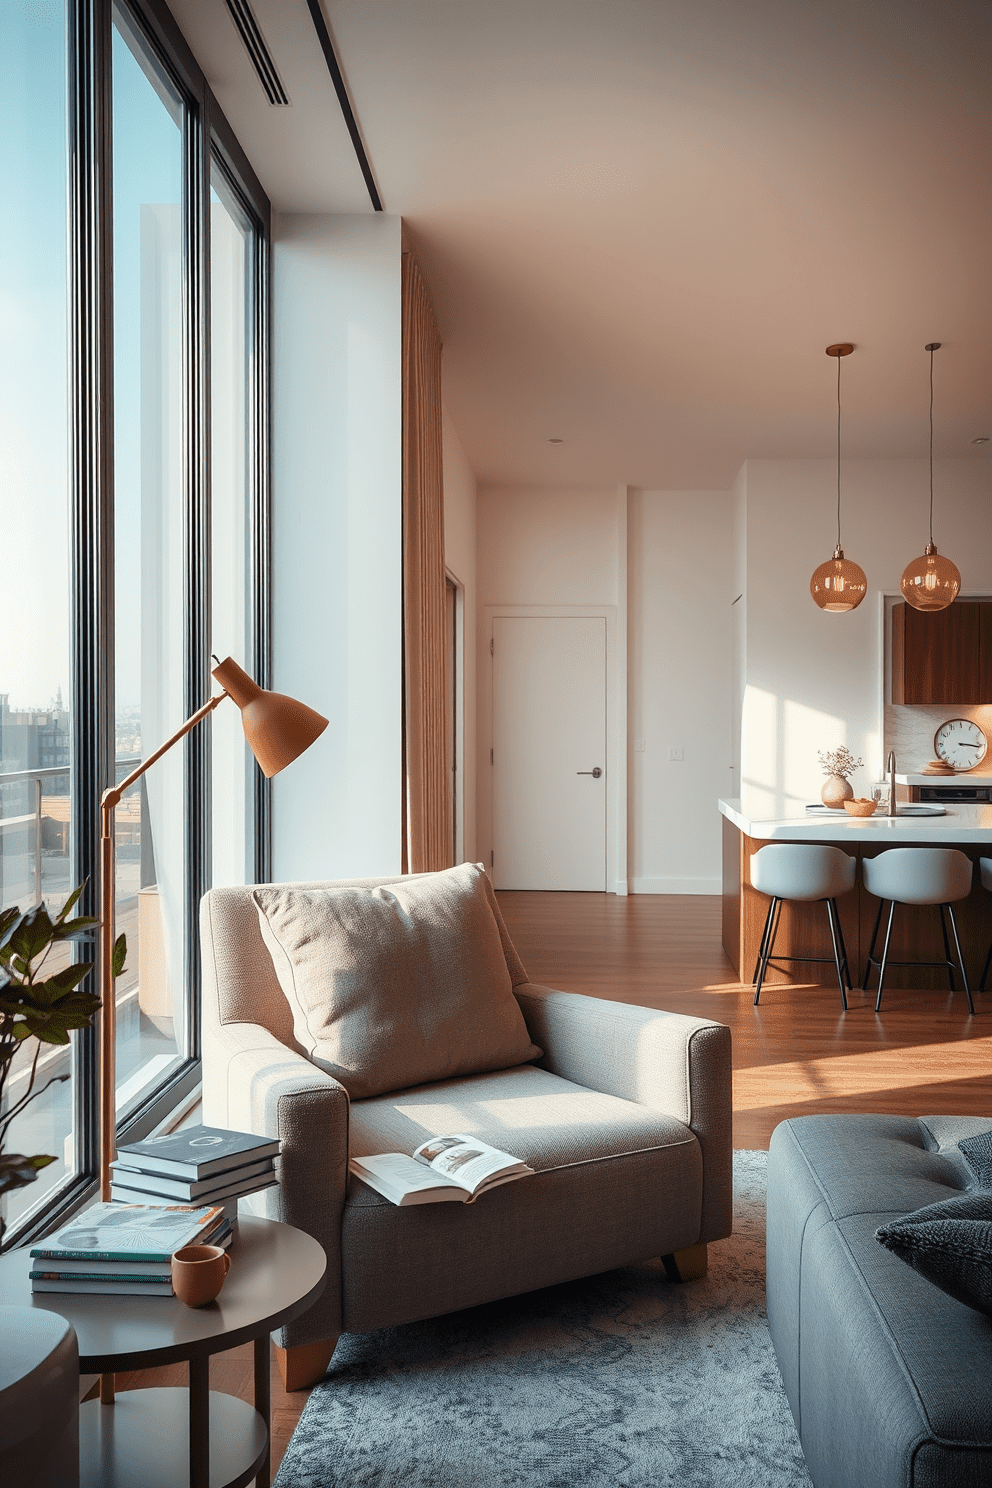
[
  {"x": 838, "y": 450},
  {"x": 932, "y": 347}
]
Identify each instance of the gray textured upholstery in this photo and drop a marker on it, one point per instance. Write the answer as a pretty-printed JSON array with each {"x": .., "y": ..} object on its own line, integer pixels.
[
  {"x": 887, "y": 1376},
  {"x": 627, "y": 1117}
]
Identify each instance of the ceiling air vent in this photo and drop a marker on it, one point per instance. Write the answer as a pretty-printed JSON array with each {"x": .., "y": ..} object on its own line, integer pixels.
[{"x": 261, "y": 59}]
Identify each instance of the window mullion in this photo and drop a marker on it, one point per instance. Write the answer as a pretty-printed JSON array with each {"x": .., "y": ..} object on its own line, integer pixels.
[
  {"x": 91, "y": 482},
  {"x": 197, "y": 574}
]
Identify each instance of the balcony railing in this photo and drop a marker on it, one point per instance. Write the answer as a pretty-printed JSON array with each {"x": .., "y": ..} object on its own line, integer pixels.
[{"x": 31, "y": 822}]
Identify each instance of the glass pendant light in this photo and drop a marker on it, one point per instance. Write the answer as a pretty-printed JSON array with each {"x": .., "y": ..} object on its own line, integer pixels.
[
  {"x": 838, "y": 585},
  {"x": 930, "y": 582}
]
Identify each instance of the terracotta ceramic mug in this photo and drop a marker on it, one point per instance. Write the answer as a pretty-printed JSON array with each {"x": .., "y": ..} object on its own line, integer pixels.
[{"x": 198, "y": 1273}]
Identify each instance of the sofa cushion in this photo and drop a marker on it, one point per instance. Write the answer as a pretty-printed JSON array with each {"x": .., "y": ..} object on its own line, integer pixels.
[
  {"x": 977, "y": 1153},
  {"x": 397, "y": 985},
  {"x": 615, "y": 1183},
  {"x": 540, "y": 1118},
  {"x": 885, "y": 1373},
  {"x": 950, "y": 1244}
]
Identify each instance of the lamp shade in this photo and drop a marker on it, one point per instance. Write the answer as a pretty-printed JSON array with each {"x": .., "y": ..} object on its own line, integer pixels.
[
  {"x": 278, "y": 728},
  {"x": 930, "y": 582},
  {"x": 838, "y": 584}
]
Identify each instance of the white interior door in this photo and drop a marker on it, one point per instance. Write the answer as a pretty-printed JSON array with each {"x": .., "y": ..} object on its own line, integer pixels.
[{"x": 549, "y": 737}]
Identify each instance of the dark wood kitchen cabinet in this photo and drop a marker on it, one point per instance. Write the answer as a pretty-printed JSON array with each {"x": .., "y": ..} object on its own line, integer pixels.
[{"x": 942, "y": 657}]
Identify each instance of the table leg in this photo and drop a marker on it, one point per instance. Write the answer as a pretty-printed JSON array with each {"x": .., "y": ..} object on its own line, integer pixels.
[
  {"x": 263, "y": 1404},
  {"x": 199, "y": 1421}
]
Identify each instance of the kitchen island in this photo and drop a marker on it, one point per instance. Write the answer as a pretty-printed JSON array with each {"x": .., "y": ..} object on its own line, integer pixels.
[{"x": 748, "y": 826}]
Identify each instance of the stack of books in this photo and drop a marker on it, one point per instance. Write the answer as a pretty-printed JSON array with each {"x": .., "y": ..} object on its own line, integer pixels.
[
  {"x": 124, "y": 1249},
  {"x": 198, "y": 1165}
]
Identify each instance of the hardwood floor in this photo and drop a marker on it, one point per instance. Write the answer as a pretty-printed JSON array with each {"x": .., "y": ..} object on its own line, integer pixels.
[{"x": 795, "y": 1054}]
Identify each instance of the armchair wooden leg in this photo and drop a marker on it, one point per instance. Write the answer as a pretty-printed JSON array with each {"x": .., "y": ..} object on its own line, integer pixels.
[
  {"x": 305, "y": 1364},
  {"x": 686, "y": 1265}
]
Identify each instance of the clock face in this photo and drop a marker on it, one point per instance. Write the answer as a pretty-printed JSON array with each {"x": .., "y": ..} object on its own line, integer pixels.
[{"x": 960, "y": 743}]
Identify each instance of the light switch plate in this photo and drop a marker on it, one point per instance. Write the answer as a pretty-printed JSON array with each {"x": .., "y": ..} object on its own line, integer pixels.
[{"x": 676, "y": 755}]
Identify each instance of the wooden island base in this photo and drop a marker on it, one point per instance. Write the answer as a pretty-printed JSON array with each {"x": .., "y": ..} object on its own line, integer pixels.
[{"x": 803, "y": 929}]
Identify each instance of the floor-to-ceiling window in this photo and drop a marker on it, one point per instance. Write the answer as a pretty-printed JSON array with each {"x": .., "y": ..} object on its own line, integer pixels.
[
  {"x": 36, "y": 785},
  {"x": 149, "y": 122},
  {"x": 132, "y": 303}
]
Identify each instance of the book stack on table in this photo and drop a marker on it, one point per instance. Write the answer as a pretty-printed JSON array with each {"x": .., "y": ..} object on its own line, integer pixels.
[
  {"x": 198, "y": 1165},
  {"x": 124, "y": 1249}
]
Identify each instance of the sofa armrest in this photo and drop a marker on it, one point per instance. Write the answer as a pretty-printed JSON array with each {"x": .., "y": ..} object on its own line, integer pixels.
[
  {"x": 667, "y": 1061},
  {"x": 254, "y": 1083}
]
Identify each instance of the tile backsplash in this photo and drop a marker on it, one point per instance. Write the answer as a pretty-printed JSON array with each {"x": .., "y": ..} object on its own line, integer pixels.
[{"x": 909, "y": 730}]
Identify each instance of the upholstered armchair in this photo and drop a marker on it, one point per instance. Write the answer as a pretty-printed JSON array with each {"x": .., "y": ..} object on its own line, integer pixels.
[{"x": 354, "y": 1018}]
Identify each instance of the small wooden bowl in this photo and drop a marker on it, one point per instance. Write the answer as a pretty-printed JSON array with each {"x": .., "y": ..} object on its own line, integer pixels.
[{"x": 860, "y": 806}]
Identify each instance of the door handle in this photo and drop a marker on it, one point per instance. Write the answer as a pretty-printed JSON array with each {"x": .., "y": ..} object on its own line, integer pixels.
[{"x": 595, "y": 772}]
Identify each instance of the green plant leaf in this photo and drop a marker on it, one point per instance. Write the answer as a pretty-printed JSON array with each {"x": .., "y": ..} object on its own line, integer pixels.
[
  {"x": 70, "y": 902},
  {"x": 120, "y": 955},
  {"x": 69, "y": 976},
  {"x": 77, "y": 929},
  {"x": 21, "y": 1031},
  {"x": 7, "y": 919},
  {"x": 17, "y": 1171},
  {"x": 46, "y": 1028},
  {"x": 34, "y": 932}
]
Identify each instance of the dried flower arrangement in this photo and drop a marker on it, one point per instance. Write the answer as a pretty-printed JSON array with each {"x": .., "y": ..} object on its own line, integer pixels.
[{"x": 839, "y": 761}]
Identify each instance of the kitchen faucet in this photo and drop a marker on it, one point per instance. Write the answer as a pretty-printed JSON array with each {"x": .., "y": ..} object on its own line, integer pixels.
[{"x": 890, "y": 765}]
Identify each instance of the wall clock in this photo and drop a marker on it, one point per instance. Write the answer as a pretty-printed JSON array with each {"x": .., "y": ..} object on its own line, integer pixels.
[{"x": 960, "y": 744}]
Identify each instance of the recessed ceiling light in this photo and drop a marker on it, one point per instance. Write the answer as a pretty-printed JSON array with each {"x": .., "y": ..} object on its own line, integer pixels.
[
  {"x": 982, "y": 439},
  {"x": 556, "y": 441}
]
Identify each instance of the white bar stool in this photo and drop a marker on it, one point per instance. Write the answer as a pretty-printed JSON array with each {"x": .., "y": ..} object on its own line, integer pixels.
[
  {"x": 797, "y": 871},
  {"x": 917, "y": 875},
  {"x": 985, "y": 865}
]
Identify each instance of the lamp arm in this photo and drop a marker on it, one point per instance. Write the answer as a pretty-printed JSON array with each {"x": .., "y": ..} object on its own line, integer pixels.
[
  {"x": 111, "y": 797},
  {"x": 108, "y": 1010}
]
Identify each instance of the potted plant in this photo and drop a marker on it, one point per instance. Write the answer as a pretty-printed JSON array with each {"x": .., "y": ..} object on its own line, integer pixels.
[
  {"x": 838, "y": 765},
  {"x": 44, "y": 1008}
]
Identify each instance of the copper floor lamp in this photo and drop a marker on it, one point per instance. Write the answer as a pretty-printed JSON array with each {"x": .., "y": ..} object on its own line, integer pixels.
[{"x": 277, "y": 729}]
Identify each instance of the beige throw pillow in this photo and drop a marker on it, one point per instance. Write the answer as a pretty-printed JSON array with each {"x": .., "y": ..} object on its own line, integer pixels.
[{"x": 399, "y": 985}]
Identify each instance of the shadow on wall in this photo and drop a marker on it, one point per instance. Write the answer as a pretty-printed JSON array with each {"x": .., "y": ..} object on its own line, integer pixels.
[{"x": 780, "y": 743}]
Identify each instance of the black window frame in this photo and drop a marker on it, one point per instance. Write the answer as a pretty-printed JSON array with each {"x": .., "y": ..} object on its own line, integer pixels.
[{"x": 207, "y": 137}]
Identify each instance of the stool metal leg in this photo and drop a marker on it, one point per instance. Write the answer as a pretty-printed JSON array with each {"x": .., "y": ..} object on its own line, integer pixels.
[
  {"x": 764, "y": 940},
  {"x": 957, "y": 947},
  {"x": 843, "y": 947},
  {"x": 947, "y": 948},
  {"x": 885, "y": 956},
  {"x": 871, "y": 948},
  {"x": 831, "y": 913},
  {"x": 771, "y": 928}
]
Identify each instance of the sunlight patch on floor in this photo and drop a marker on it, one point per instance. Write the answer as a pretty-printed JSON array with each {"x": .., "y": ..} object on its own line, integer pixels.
[{"x": 856, "y": 1074}]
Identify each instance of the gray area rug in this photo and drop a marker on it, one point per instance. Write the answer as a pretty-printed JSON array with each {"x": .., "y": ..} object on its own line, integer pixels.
[{"x": 618, "y": 1381}]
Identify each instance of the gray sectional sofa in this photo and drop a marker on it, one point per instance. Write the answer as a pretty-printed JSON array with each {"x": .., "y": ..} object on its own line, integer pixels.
[{"x": 889, "y": 1379}]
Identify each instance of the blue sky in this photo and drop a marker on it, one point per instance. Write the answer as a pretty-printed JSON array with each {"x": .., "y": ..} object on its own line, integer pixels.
[{"x": 34, "y": 657}]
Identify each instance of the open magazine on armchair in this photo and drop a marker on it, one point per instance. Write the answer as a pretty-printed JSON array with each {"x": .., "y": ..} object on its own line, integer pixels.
[{"x": 442, "y": 1169}]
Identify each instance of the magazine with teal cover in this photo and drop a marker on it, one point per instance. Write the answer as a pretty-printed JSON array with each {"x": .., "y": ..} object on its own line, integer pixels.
[{"x": 130, "y": 1232}]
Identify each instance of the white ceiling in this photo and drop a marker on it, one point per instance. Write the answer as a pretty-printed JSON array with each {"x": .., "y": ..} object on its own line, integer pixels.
[{"x": 642, "y": 221}]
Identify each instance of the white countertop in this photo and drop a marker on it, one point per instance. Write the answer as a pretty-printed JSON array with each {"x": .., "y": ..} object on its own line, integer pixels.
[{"x": 967, "y": 823}]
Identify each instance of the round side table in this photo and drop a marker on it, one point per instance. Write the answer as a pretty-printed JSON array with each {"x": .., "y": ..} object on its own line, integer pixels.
[{"x": 167, "y": 1438}]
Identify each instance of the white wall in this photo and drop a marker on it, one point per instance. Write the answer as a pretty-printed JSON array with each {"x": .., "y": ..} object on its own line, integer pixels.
[
  {"x": 460, "y": 560},
  {"x": 680, "y": 632},
  {"x": 549, "y": 548},
  {"x": 814, "y": 680},
  {"x": 336, "y": 539},
  {"x": 664, "y": 559}
]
